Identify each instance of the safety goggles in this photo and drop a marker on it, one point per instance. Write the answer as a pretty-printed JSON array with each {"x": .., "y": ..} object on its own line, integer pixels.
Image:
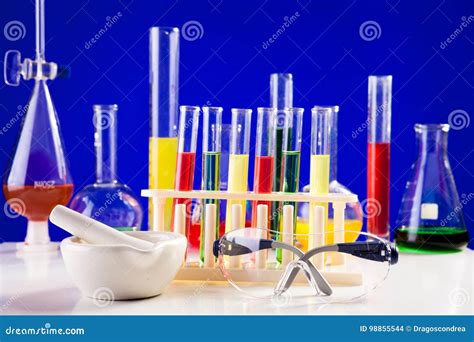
[{"x": 259, "y": 266}]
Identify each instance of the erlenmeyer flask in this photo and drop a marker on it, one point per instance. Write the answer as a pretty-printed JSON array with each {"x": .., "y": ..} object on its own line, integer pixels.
[
  {"x": 38, "y": 178},
  {"x": 430, "y": 217}
]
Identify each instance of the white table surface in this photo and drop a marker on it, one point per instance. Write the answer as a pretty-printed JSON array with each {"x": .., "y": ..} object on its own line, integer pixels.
[{"x": 418, "y": 285}]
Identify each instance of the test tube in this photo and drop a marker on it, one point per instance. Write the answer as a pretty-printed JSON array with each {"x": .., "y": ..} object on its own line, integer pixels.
[
  {"x": 211, "y": 155},
  {"x": 281, "y": 97},
  {"x": 264, "y": 159},
  {"x": 291, "y": 155},
  {"x": 238, "y": 161},
  {"x": 163, "y": 142},
  {"x": 378, "y": 155},
  {"x": 186, "y": 158},
  {"x": 322, "y": 117}
]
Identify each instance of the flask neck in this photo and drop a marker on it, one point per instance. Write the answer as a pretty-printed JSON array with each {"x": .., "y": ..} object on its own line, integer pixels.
[
  {"x": 432, "y": 139},
  {"x": 105, "y": 142}
]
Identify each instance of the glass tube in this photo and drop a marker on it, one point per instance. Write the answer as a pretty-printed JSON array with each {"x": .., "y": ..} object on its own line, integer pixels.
[
  {"x": 378, "y": 156},
  {"x": 224, "y": 172},
  {"x": 291, "y": 155},
  {"x": 105, "y": 142},
  {"x": 281, "y": 97},
  {"x": 238, "y": 160},
  {"x": 322, "y": 118},
  {"x": 264, "y": 159},
  {"x": 186, "y": 158},
  {"x": 211, "y": 153},
  {"x": 163, "y": 143}
]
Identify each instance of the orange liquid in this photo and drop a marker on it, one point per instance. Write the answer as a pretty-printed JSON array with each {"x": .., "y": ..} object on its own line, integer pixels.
[{"x": 36, "y": 202}]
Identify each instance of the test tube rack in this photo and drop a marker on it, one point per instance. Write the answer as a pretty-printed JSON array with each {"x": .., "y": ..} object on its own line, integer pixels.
[{"x": 208, "y": 271}]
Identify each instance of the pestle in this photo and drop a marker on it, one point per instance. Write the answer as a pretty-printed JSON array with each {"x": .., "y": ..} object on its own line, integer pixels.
[{"x": 92, "y": 231}]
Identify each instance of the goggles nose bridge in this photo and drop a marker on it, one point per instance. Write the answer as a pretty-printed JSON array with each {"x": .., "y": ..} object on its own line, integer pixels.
[{"x": 280, "y": 288}]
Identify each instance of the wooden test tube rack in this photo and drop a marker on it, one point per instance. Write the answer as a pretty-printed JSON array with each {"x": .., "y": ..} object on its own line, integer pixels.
[{"x": 209, "y": 271}]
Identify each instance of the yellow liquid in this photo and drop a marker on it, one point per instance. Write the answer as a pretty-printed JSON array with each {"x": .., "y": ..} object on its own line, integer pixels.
[
  {"x": 350, "y": 226},
  {"x": 319, "y": 184},
  {"x": 237, "y": 182},
  {"x": 162, "y": 172}
]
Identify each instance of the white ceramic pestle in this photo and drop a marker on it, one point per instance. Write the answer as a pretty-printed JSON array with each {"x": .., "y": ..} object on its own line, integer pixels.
[{"x": 92, "y": 231}]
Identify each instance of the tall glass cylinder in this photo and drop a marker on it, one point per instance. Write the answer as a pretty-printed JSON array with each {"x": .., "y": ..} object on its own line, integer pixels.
[
  {"x": 378, "y": 156},
  {"x": 320, "y": 158},
  {"x": 281, "y": 97},
  {"x": 211, "y": 155},
  {"x": 264, "y": 158},
  {"x": 238, "y": 160},
  {"x": 163, "y": 144},
  {"x": 186, "y": 158}
]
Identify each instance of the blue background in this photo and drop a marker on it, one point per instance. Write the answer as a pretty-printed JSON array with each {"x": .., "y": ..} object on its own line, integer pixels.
[{"x": 229, "y": 66}]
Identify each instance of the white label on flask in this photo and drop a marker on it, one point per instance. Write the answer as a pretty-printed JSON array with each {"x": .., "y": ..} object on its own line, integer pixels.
[{"x": 429, "y": 211}]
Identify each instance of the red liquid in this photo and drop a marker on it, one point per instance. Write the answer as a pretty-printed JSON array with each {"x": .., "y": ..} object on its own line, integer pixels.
[
  {"x": 184, "y": 182},
  {"x": 262, "y": 183},
  {"x": 36, "y": 202},
  {"x": 378, "y": 188},
  {"x": 194, "y": 237}
]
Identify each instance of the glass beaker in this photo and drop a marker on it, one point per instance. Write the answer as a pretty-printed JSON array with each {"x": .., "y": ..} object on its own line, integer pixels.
[
  {"x": 107, "y": 200},
  {"x": 38, "y": 177},
  {"x": 430, "y": 217},
  {"x": 164, "y": 84}
]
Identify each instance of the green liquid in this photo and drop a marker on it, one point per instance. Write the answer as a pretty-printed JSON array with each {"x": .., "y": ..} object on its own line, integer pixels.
[
  {"x": 211, "y": 182},
  {"x": 274, "y": 219},
  {"x": 431, "y": 240},
  {"x": 290, "y": 178}
]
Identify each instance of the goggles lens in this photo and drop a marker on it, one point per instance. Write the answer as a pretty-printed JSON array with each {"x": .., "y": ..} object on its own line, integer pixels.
[{"x": 261, "y": 267}]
